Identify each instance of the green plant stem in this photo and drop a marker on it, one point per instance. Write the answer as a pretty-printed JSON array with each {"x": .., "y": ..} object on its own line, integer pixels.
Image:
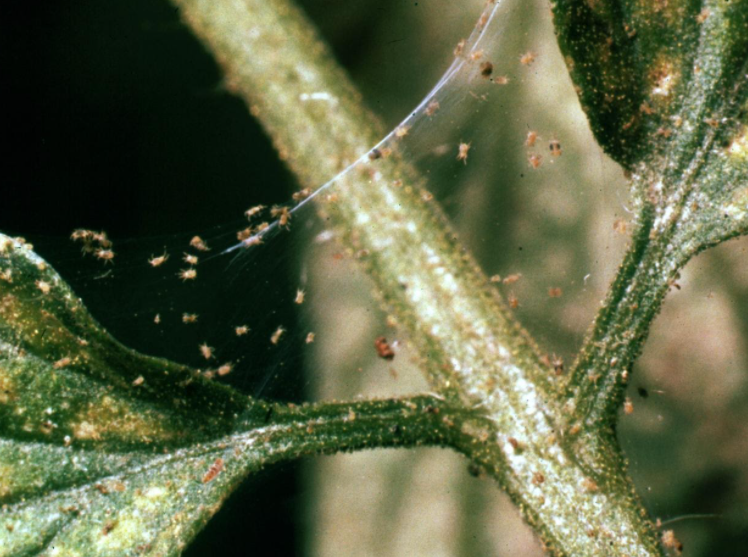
[
  {"x": 470, "y": 348},
  {"x": 597, "y": 379}
]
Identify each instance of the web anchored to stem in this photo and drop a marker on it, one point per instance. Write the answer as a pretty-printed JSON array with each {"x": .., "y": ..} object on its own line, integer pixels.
[
  {"x": 547, "y": 440},
  {"x": 472, "y": 349}
]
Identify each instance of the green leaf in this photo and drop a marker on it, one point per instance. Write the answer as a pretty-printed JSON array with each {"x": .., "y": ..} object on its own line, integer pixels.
[
  {"x": 104, "y": 451},
  {"x": 665, "y": 87}
]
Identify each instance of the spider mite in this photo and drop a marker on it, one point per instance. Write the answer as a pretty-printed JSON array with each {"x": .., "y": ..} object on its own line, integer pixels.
[
  {"x": 310, "y": 338},
  {"x": 401, "y": 131},
  {"x": 190, "y": 259},
  {"x": 555, "y": 147},
  {"x": 527, "y": 58},
  {"x": 535, "y": 160},
  {"x": 299, "y": 296},
  {"x": 102, "y": 239},
  {"x": 106, "y": 255},
  {"x": 432, "y": 107},
  {"x": 213, "y": 471},
  {"x": 532, "y": 137},
  {"x": 225, "y": 369},
  {"x": 511, "y": 279},
  {"x": 82, "y": 234},
  {"x": 384, "y": 350},
  {"x": 188, "y": 318},
  {"x": 301, "y": 194},
  {"x": 555, "y": 292},
  {"x": 628, "y": 406},
  {"x": 283, "y": 215},
  {"x": 671, "y": 542},
  {"x": 459, "y": 48},
  {"x": 241, "y": 330},
  {"x": 276, "y": 336},
  {"x": 476, "y": 55},
  {"x": 252, "y": 211},
  {"x": 62, "y": 362},
  {"x": 187, "y": 274},
  {"x": 199, "y": 244},
  {"x": 462, "y": 152},
  {"x": 44, "y": 286},
  {"x": 158, "y": 261},
  {"x": 245, "y": 234},
  {"x": 206, "y": 351},
  {"x": 620, "y": 226}
]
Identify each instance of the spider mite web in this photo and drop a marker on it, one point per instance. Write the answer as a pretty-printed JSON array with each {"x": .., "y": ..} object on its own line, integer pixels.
[
  {"x": 232, "y": 300},
  {"x": 474, "y": 76}
]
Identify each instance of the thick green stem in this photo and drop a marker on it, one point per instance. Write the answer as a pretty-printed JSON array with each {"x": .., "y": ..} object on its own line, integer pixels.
[
  {"x": 325, "y": 428},
  {"x": 470, "y": 348}
]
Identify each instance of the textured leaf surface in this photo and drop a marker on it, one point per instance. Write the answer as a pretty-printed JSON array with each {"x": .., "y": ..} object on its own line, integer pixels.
[
  {"x": 664, "y": 84},
  {"x": 104, "y": 451},
  {"x": 665, "y": 87}
]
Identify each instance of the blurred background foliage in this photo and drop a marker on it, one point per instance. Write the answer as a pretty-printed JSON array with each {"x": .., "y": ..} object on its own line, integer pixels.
[{"x": 117, "y": 119}]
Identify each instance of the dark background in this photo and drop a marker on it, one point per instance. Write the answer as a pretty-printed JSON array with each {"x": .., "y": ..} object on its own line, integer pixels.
[{"x": 114, "y": 118}]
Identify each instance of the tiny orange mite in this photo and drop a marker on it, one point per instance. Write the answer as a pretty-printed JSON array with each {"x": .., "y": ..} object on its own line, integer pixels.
[
  {"x": 44, "y": 286},
  {"x": 252, "y": 211},
  {"x": 511, "y": 279},
  {"x": 276, "y": 336},
  {"x": 282, "y": 214},
  {"x": 198, "y": 243},
  {"x": 157, "y": 261},
  {"x": 105, "y": 255},
  {"x": 213, "y": 471},
  {"x": 384, "y": 350},
  {"x": 206, "y": 351},
  {"x": 188, "y": 318},
  {"x": 462, "y": 152},
  {"x": 527, "y": 58},
  {"x": 302, "y": 194},
  {"x": 535, "y": 160},
  {"x": 459, "y": 48},
  {"x": 188, "y": 274},
  {"x": 190, "y": 259},
  {"x": 401, "y": 131}
]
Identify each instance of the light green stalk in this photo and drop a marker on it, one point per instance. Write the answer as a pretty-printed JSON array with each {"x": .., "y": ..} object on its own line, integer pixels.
[{"x": 470, "y": 348}]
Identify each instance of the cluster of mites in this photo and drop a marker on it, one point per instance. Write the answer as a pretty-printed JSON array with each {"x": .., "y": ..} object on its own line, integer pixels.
[{"x": 99, "y": 245}]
